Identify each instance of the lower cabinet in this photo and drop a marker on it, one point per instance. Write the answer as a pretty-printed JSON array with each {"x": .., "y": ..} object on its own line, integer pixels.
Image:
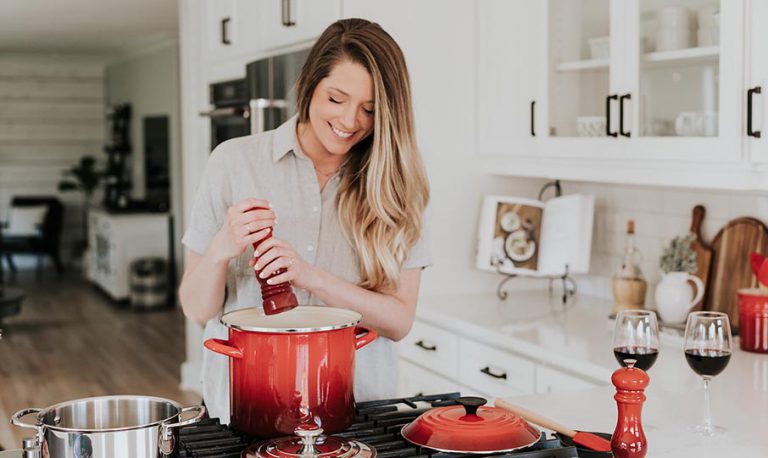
[{"x": 435, "y": 360}]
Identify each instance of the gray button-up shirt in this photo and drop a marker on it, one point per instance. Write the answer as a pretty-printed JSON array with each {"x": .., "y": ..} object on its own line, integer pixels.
[{"x": 271, "y": 166}]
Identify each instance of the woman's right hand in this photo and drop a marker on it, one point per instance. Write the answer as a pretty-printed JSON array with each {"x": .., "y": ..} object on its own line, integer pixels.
[{"x": 242, "y": 228}]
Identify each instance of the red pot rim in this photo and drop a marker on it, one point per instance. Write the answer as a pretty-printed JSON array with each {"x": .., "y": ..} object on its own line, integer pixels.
[
  {"x": 471, "y": 427},
  {"x": 302, "y": 319}
]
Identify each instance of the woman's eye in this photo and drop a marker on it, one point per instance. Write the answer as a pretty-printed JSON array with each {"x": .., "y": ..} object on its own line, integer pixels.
[
  {"x": 333, "y": 100},
  {"x": 370, "y": 112}
]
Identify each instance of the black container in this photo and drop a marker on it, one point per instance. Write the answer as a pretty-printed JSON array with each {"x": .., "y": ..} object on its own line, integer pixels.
[{"x": 585, "y": 452}]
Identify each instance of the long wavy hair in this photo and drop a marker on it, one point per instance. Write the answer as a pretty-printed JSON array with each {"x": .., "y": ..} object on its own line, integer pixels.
[{"x": 384, "y": 188}]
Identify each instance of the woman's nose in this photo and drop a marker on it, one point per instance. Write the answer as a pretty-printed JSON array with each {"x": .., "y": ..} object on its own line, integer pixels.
[{"x": 348, "y": 119}]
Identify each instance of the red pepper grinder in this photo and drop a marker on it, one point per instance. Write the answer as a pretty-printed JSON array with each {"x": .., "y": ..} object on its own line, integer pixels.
[
  {"x": 276, "y": 298},
  {"x": 628, "y": 439}
]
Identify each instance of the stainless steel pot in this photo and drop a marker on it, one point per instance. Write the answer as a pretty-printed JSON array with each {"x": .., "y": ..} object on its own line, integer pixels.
[{"x": 109, "y": 427}]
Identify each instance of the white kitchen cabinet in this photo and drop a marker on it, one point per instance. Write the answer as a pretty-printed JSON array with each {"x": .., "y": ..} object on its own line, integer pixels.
[
  {"x": 489, "y": 370},
  {"x": 549, "y": 380},
  {"x": 756, "y": 82},
  {"x": 250, "y": 29},
  {"x": 416, "y": 381},
  {"x": 434, "y": 348},
  {"x": 116, "y": 240},
  {"x": 612, "y": 102}
]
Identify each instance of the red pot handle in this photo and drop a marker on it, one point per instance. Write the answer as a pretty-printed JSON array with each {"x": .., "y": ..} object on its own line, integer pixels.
[
  {"x": 222, "y": 347},
  {"x": 363, "y": 340}
]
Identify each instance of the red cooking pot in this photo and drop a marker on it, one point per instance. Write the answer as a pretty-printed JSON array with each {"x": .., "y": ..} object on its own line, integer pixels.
[
  {"x": 470, "y": 427},
  {"x": 293, "y": 368}
]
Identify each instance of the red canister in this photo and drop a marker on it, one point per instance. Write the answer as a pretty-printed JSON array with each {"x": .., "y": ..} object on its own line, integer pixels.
[
  {"x": 293, "y": 368},
  {"x": 753, "y": 320}
]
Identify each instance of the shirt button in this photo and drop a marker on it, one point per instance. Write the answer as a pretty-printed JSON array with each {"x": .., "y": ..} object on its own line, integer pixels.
[{"x": 310, "y": 248}]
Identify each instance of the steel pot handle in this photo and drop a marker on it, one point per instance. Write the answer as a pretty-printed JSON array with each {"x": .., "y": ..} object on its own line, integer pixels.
[
  {"x": 222, "y": 347},
  {"x": 167, "y": 439},
  {"x": 16, "y": 418},
  {"x": 362, "y": 340}
]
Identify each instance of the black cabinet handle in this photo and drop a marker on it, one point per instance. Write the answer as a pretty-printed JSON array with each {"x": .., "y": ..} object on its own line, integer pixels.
[
  {"x": 533, "y": 118},
  {"x": 287, "y": 15},
  {"x": 225, "y": 31},
  {"x": 487, "y": 371},
  {"x": 608, "y": 115},
  {"x": 421, "y": 344},
  {"x": 750, "y": 93},
  {"x": 621, "y": 114}
]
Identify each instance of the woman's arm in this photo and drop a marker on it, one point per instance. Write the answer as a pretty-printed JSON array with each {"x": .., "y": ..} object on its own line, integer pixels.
[
  {"x": 203, "y": 284},
  {"x": 391, "y": 315}
]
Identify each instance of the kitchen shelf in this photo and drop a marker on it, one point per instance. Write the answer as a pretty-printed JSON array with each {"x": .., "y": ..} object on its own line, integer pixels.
[
  {"x": 707, "y": 54},
  {"x": 577, "y": 65}
]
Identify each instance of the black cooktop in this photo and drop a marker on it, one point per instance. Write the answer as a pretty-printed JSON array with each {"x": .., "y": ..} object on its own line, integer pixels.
[{"x": 377, "y": 423}]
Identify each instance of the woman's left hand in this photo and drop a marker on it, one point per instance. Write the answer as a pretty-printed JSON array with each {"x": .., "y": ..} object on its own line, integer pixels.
[{"x": 275, "y": 254}]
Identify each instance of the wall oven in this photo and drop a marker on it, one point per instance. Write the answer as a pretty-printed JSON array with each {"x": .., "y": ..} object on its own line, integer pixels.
[{"x": 261, "y": 101}]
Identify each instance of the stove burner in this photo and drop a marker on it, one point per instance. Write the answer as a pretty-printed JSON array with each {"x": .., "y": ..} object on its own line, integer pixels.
[{"x": 377, "y": 423}]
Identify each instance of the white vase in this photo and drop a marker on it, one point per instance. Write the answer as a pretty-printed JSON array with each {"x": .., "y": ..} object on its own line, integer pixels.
[{"x": 675, "y": 298}]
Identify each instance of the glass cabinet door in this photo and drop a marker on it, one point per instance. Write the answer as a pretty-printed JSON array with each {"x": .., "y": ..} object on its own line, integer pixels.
[{"x": 579, "y": 50}]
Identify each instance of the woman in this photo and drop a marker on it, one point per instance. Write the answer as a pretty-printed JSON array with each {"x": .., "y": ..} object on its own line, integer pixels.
[{"x": 345, "y": 189}]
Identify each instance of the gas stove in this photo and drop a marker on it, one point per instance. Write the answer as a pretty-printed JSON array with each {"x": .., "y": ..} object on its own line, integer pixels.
[{"x": 377, "y": 423}]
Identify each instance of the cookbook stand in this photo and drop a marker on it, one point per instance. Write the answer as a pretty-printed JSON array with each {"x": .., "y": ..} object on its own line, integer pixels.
[{"x": 568, "y": 283}]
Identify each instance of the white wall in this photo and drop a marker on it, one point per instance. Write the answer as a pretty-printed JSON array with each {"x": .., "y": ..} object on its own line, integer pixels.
[
  {"x": 149, "y": 81},
  {"x": 660, "y": 214},
  {"x": 51, "y": 114}
]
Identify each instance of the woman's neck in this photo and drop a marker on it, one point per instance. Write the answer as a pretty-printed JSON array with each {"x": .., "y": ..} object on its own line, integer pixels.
[{"x": 324, "y": 162}]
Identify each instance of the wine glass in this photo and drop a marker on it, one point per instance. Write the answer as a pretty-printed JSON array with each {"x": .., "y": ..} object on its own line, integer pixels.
[
  {"x": 636, "y": 336},
  {"x": 707, "y": 350}
]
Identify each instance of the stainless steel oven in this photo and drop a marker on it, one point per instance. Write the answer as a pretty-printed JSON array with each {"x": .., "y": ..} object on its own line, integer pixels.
[{"x": 229, "y": 113}]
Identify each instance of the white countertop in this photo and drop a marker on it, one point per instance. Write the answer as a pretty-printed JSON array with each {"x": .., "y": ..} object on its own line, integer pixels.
[{"x": 578, "y": 339}]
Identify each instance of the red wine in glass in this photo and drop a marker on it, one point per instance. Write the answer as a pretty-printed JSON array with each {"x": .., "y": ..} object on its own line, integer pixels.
[
  {"x": 707, "y": 363},
  {"x": 645, "y": 356}
]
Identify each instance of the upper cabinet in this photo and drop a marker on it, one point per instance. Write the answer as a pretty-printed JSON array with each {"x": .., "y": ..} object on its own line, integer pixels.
[
  {"x": 251, "y": 29},
  {"x": 637, "y": 91},
  {"x": 756, "y": 117}
]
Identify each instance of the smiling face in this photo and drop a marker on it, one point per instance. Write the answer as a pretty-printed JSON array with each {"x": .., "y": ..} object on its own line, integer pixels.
[{"x": 340, "y": 112}]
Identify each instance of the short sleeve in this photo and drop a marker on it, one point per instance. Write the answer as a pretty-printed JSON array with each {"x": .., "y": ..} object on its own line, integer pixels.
[
  {"x": 210, "y": 205},
  {"x": 419, "y": 256}
]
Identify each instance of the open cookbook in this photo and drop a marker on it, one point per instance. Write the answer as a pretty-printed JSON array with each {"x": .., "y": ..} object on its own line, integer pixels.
[{"x": 533, "y": 237}]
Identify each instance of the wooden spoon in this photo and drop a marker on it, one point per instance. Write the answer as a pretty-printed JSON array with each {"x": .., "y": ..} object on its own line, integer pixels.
[{"x": 588, "y": 440}]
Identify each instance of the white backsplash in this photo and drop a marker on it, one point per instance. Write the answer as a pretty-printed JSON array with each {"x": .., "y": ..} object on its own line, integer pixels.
[{"x": 660, "y": 214}]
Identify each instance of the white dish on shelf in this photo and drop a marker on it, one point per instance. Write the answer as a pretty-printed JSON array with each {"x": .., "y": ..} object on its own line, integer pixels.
[{"x": 590, "y": 126}]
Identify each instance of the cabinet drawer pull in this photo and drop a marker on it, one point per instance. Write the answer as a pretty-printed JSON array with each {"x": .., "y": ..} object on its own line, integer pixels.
[
  {"x": 750, "y": 93},
  {"x": 287, "y": 14},
  {"x": 225, "y": 31},
  {"x": 608, "y": 115},
  {"x": 621, "y": 114},
  {"x": 533, "y": 118},
  {"x": 427, "y": 347},
  {"x": 487, "y": 371}
]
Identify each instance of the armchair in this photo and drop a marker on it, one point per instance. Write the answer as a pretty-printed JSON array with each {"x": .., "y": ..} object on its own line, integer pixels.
[{"x": 45, "y": 241}]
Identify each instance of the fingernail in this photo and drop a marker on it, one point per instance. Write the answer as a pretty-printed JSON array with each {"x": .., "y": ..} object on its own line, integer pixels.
[
  {"x": 255, "y": 253},
  {"x": 270, "y": 204},
  {"x": 263, "y": 275},
  {"x": 270, "y": 281},
  {"x": 275, "y": 221},
  {"x": 256, "y": 266}
]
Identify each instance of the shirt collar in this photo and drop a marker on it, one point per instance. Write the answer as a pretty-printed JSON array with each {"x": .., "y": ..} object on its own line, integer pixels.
[{"x": 285, "y": 140}]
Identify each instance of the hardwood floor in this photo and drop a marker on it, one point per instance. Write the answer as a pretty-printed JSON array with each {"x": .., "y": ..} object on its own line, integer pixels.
[{"x": 70, "y": 341}]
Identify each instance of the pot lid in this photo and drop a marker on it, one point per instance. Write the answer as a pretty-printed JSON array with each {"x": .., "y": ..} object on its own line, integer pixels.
[
  {"x": 302, "y": 319},
  {"x": 471, "y": 428},
  {"x": 310, "y": 443}
]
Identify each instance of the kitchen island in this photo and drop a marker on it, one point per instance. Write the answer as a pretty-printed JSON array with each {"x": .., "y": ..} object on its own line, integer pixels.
[{"x": 577, "y": 339}]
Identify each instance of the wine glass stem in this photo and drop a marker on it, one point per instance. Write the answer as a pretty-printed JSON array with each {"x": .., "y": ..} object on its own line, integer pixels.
[{"x": 707, "y": 409}]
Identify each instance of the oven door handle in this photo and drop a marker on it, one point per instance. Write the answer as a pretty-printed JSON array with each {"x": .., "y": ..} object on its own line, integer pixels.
[
  {"x": 259, "y": 110},
  {"x": 227, "y": 112}
]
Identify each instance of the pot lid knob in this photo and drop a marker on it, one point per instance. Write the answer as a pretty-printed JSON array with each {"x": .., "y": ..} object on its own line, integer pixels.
[
  {"x": 471, "y": 403},
  {"x": 308, "y": 433}
]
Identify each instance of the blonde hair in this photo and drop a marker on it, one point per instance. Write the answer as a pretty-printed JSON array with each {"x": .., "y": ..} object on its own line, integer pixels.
[{"x": 384, "y": 188}]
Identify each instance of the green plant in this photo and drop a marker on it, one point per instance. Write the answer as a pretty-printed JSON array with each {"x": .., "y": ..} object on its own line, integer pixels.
[
  {"x": 678, "y": 256},
  {"x": 83, "y": 177}
]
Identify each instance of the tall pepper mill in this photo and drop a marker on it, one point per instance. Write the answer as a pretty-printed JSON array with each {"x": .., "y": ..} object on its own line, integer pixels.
[
  {"x": 276, "y": 298},
  {"x": 628, "y": 439}
]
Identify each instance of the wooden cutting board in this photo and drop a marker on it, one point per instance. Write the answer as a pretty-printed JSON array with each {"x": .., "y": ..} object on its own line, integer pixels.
[
  {"x": 703, "y": 251},
  {"x": 731, "y": 269}
]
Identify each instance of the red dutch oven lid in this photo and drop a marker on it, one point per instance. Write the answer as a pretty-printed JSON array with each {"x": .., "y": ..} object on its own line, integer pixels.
[{"x": 471, "y": 428}]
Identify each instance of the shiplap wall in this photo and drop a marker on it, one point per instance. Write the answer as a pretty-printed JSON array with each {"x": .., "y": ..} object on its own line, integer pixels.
[{"x": 51, "y": 114}]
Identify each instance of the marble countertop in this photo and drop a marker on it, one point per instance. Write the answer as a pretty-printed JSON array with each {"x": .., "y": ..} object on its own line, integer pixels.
[{"x": 577, "y": 338}]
